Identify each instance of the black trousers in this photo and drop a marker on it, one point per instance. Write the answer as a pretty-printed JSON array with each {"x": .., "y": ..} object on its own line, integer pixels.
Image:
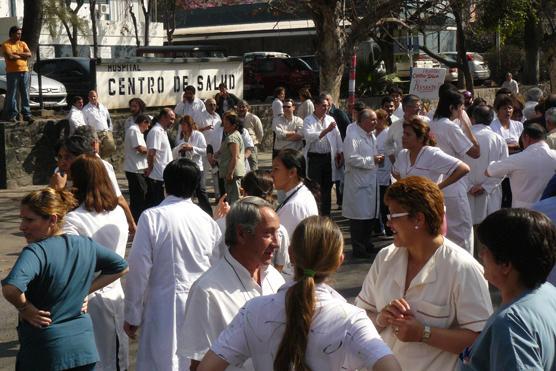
[
  {"x": 361, "y": 235},
  {"x": 155, "y": 192},
  {"x": 506, "y": 193},
  {"x": 384, "y": 211},
  {"x": 320, "y": 171},
  {"x": 202, "y": 196},
  {"x": 137, "y": 184}
]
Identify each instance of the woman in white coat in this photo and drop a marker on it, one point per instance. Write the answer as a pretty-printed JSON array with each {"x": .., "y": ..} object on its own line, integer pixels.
[
  {"x": 288, "y": 172},
  {"x": 306, "y": 325},
  {"x": 361, "y": 194},
  {"x": 100, "y": 218},
  {"x": 192, "y": 145}
]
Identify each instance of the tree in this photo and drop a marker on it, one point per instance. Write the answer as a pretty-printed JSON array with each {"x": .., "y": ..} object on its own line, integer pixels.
[
  {"x": 147, "y": 11},
  {"x": 93, "y": 12},
  {"x": 169, "y": 18},
  {"x": 134, "y": 20},
  {"x": 340, "y": 26},
  {"x": 32, "y": 23},
  {"x": 62, "y": 11}
]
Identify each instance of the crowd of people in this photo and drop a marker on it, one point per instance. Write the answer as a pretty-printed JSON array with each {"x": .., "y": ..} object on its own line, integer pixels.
[{"x": 245, "y": 285}]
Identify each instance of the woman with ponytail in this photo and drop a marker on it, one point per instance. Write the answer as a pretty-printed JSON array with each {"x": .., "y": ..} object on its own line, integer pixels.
[
  {"x": 49, "y": 282},
  {"x": 301, "y": 194},
  {"x": 306, "y": 325}
]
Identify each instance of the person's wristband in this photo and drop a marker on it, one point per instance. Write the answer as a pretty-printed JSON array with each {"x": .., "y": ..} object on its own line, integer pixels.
[{"x": 426, "y": 334}]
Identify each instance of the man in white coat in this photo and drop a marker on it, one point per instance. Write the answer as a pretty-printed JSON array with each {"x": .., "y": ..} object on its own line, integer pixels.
[
  {"x": 323, "y": 151},
  {"x": 244, "y": 272},
  {"x": 361, "y": 197},
  {"x": 190, "y": 105},
  {"x": 530, "y": 170},
  {"x": 175, "y": 243},
  {"x": 484, "y": 193}
]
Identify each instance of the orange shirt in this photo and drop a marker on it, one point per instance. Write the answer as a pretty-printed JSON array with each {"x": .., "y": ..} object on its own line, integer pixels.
[{"x": 15, "y": 65}]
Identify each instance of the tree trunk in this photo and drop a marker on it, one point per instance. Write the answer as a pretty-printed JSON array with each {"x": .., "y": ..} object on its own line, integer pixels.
[
  {"x": 550, "y": 53},
  {"x": 147, "y": 16},
  {"x": 532, "y": 40},
  {"x": 170, "y": 20},
  {"x": 330, "y": 49},
  {"x": 93, "y": 8},
  {"x": 134, "y": 20},
  {"x": 32, "y": 23},
  {"x": 462, "y": 50}
]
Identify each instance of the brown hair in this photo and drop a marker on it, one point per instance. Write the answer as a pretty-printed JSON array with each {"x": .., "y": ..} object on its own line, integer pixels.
[
  {"x": 258, "y": 183},
  {"x": 417, "y": 194},
  {"x": 422, "y": 130},
  {"x": 188, "y": 120},
  {"x": 381, "y": 114},
  {"x": 92, "y": 186},
  {"x": 48, "y": 201},
  {"x": 304, "y": 93},
  {"x": 316, "y": 248}
]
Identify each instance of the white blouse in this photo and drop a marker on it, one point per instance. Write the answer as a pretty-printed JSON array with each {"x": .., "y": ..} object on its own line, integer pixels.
[
  {"x": 197, "y": 140},
  {"x": 342, "y": 337}
]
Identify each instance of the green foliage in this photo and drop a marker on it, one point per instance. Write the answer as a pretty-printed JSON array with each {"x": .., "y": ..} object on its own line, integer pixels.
[
  {"x": 56, "y": 11},
  {"x": 509, "y": 15}
]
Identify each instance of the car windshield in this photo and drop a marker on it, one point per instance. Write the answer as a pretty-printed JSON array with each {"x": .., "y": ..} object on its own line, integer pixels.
[{"x": 297, "y": 63}]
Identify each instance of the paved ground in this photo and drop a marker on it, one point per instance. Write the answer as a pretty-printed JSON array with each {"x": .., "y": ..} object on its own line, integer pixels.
[{"x": 347, "y": 281}]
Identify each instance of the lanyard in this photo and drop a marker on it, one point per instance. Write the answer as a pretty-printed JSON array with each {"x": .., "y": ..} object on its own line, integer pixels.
[{"x": 288, "y": 198}]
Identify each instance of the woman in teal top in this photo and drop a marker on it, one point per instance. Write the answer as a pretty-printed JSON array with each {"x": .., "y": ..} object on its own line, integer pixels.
[
  {"x": 519, "y": 250},
  {"x": 49, "y": 283}
]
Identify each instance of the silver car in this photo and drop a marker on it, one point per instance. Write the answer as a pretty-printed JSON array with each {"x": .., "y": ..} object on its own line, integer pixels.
[
  {"x": 477, "y": 65},
  {"x": 53, "y": 92}
]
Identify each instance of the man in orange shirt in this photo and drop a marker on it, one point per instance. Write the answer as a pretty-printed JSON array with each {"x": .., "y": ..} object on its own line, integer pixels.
[{"x": 16, "y": 54}]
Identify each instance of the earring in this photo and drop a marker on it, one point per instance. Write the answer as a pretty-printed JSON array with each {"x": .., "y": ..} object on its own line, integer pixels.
[{"x": 416, "y": 227}]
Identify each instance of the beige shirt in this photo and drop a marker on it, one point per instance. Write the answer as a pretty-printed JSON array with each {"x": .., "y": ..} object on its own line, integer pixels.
[
  {"x": 449, "y": 292},
  {"x": 252, "y": 123}
]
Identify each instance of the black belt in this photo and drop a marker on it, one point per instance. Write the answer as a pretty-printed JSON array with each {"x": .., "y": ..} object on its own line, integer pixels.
[{"x": 318, "y": 155}]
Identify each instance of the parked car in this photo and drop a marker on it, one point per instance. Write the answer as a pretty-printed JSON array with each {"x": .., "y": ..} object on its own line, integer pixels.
[
  {"x": 477, "y": 65},
  {"x": 77, "y": 74},
  {"x": 421, "y": 60},
  {"x": 53, "y": 92},
  {"x": 263, "y": 75}
]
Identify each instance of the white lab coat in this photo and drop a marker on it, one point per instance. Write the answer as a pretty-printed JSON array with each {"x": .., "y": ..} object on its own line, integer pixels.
[
  {"x": 197, "y": 140},
  {"x": 361, "y": 198},
  {"x": 529, "y": 172},
  {"x": 174, "y": 244},
  {"x": 451, "y": 139},
  {"x": 493, "y": 148},
  {"x": 106, "y": 306},
  {"x": 312, "y": 128}
]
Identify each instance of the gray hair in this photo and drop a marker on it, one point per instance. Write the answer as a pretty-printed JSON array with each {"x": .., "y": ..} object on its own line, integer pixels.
[
  {"x": 245, "y": 213},
  {"x": 410, "y": 100},
  {"x": 534, "y": 94},
  {"x": 550, "y": 116},
  {"x": 88, "y": 133},
  {"x": 364, "y": 115}
]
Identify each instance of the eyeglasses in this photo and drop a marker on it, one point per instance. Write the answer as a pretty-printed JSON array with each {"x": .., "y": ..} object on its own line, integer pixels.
[{"x": 395, "y": 216}]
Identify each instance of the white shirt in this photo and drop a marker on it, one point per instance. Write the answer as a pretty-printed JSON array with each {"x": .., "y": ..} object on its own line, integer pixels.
[
  {"x": 97, "y": 117},
  {"x": 393, "y": 142},
  {"x": 361, "y": 197},
  {"x": 512, "y": 85},
  {"x": 344, "y": 330},
  {"x": 282, "y": 126},
  {"x": 157, "y": 139},
  {"x": 197, "y": 140},
  {"x": 212, "y": 136},
  {"x": 106, "y": 305},
  {"x": 384, "y": 170},
  {"x": 299, "y": 206},
  {"x": 511, "y": 134},
  {"x": 277, "y": 109},
  {"x": 214, "y": 300},
  {"x": 174, "y": 244},
  {"x": 431, "y": 162},
  {"x": 529, "y": 172},
  {"x": 305, "y": 109},
  {"x": 493, "y": 148},
  {"x": 451, "y": 139},
  {"x": 193, "y": 109},
  {"x": 398, "y": 112},
  {"x": 112, "y": 175},
  {"x": 76, "y": 119},
  {"x": 450, "y": 291},
  {"x": 134, "y": 162}
]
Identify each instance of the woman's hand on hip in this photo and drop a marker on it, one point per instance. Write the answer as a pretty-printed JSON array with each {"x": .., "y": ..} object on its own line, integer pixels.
[{"x": 34, "y": 316}]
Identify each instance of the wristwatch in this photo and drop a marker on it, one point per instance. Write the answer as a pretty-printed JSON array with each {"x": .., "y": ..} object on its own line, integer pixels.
[{"x": 426, "y": 334}]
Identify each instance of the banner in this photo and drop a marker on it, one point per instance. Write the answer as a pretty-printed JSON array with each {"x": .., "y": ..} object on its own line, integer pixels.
[{"x": 425, "y": 82}]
